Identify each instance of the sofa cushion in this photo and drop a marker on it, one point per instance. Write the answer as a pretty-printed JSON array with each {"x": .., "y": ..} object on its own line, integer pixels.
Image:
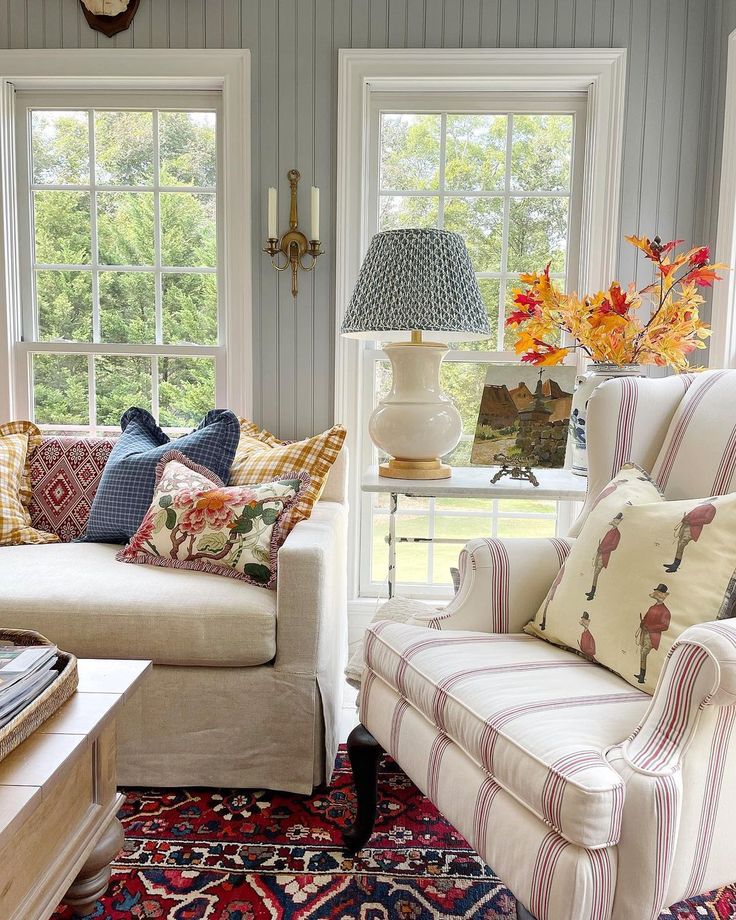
[
  {"x": 127, "y": 483},
  {"x": 537, "y": 718},
  {"x": 86, "y": 602},
  {"x": 65, "y": 474}
]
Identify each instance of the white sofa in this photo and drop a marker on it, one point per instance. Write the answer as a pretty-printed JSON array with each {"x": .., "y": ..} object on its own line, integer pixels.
[{"x": 246, "y": 686}]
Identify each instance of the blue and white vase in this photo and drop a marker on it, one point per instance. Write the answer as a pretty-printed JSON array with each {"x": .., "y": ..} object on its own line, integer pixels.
[{"x": 584, "y": 386}]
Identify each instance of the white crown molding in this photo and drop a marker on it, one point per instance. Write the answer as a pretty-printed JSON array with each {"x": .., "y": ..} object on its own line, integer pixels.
[
  {"x": 601, "y": 73},
  {"x": 723, "y": 340}
]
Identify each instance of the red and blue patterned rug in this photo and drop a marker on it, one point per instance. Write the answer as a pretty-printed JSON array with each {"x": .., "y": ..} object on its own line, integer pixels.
[{"x": 223, "y": 855}]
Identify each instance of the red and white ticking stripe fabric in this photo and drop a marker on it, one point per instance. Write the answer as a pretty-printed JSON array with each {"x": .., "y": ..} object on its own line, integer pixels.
[
  {"x": 719, "y": 750},
  {"x": 544, "y": 872},
  {"x": 698, "y": 455},
  {"x": 554, "y": 878},
  {"x": 625, "y": 424},
  {"x": 536, "y": 718},
  {"x": 667, "y": 803},
  {"x": 487, "y": 792},
  {"x": 502, "y": 585},
  {"x": 659, "y": 741}
]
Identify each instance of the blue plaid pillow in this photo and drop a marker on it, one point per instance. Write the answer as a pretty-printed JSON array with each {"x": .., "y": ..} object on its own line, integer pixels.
[{"x": 128, "y": 480}]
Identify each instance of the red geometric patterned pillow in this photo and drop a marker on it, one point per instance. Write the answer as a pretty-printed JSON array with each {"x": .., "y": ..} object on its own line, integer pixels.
[{"x": 65, "y": 474}]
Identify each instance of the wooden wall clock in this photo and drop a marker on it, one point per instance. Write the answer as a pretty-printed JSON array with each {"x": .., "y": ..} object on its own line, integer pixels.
[{"x": 109, "y": 16}]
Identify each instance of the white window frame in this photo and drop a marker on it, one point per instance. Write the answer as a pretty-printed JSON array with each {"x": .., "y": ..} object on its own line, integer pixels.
[
  {"x": 166, "y": 72},
  {"x": 599, "y": 73},
  {"x": 722, "y": 346},
  {"x": 574, "y": 104}
]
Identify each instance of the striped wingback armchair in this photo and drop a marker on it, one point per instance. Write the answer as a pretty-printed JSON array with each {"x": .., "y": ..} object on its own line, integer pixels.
[{"x": 589, "y": 798}]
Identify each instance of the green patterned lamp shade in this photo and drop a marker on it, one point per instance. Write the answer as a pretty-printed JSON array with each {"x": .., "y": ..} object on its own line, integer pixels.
[{"x": 416, "y": 280}]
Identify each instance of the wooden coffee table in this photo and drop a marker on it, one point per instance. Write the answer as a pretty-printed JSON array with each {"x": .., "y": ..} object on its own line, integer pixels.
[{"x": 59, "y": 799}]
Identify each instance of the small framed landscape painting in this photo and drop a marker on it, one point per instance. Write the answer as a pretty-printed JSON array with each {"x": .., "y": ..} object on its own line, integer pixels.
[{"x": 524, "y": 413}]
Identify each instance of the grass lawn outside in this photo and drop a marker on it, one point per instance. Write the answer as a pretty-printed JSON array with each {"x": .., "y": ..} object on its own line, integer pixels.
[{"x": 468, "y": 518}]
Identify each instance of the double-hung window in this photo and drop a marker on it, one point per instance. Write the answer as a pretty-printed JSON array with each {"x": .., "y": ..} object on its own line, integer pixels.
[
  {"x": 506, "y": 172},
  {"x": 120, "y": 243}
]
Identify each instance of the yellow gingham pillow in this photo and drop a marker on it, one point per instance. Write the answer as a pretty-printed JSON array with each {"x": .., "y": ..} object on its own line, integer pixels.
[
  {"x": 261, "y": 457},
  {"x": 17, "y": 441}
]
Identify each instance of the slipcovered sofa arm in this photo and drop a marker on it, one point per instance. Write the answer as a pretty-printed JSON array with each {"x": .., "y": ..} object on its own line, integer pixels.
[
  {"x": 700, "y": 671},
  {"x": 502, "y": 584},
  {"x": 311, "y": 625}
]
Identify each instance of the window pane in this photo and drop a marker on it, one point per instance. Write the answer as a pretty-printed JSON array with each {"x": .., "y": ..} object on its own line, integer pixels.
[
  {"x": 410, "y": 151},
  {"x": 396, "y": 212},
  {"x": 64, "y": 303},
  {"x": 456, "y": 527},
  {"x": 476, "y": 152},
  {"x": 190, "y": 309},
  {"x": 379, "y": 555},
  {"x": 121, "y": 382},
  {"x": 525, "y": 527},
  {"x": 541, "y": 152},
  {"x": 60, "y": 390},
  {"x": 127, "y": 307},
  {"x": 480, "y": 221},
  {"x": 62, "y": 228},
  {"x": 186, "y": 390},
  {"x": 188, "y": 148},
  {"x": 464, "y": 383},
  {"x": 509, "y": 505},
  {"x": 124, "y": 148},
  {"x": 537, "y": 234},
  {"x": 188, "y": 230},
  {"x": 60, "y": 147},
  {"x": 489, "y": 291},
  {"x": 125, "y": 228}
]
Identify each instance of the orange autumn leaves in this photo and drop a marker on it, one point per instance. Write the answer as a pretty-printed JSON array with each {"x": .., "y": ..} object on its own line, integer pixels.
[{"x": 608, "y": 326}]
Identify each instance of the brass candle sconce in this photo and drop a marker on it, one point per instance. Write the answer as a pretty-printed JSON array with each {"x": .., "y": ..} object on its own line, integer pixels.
[{"x": 293, "y": 245}]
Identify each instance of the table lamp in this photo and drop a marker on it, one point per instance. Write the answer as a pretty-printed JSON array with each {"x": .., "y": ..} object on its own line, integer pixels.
[{"x": 416, "y": 281}]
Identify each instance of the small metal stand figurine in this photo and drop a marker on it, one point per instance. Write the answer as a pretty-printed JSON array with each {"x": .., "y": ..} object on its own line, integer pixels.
[{"x": 515, "y": 469}]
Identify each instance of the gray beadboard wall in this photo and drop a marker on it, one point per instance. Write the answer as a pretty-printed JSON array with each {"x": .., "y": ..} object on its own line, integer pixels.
[{"x": 676, "y": 67}]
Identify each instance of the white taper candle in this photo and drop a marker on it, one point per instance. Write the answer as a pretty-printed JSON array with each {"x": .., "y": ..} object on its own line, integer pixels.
[
  {"x": 315, "y": 213},
  {"x": 272, "y": 213}
]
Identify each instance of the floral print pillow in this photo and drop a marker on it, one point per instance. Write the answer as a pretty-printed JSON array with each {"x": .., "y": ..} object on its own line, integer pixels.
[{"x": 196, "y": 522}]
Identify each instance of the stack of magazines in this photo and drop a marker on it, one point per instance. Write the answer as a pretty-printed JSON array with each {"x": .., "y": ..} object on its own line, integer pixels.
[{"x": 25, "y": 672}]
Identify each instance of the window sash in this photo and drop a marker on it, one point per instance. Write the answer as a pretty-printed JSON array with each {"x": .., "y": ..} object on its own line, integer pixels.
[
  {"x": 30, "y": 344},
  {"x": 456, "y": 103}
]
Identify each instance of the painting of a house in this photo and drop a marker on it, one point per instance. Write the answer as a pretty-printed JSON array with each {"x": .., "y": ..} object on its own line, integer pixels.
[{"x": 524, "y": 412}]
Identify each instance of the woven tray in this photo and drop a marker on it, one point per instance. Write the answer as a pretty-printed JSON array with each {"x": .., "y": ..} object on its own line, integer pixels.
[{"x": 46, "y": 703}]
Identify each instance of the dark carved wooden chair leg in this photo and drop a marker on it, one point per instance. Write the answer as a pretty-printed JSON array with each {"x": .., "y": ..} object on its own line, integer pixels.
[
  {"x": 364, "y": 753},
  {"x": 522, "y": 913}
]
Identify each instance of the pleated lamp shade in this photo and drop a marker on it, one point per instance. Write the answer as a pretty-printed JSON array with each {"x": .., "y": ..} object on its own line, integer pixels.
[{"x": 417, "y": 279}]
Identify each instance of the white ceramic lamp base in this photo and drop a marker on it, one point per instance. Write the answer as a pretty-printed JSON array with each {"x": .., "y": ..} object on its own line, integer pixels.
[{"x": 416, "y": 423}]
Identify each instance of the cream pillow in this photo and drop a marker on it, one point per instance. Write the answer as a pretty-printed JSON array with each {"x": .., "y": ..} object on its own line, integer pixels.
[{"x": 632, "y": 584}]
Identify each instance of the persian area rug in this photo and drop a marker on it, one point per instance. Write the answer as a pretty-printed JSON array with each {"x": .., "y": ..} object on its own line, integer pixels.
[{"x": 239, "y": 855}]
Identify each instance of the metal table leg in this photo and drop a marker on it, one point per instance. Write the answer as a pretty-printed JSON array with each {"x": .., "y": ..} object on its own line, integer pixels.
[{"x": 391, "y": 540}]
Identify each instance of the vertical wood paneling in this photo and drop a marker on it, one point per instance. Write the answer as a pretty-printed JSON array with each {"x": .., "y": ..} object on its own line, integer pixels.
[
  {"x": 415, "y": 18},
  {"x": 434, "y": 22},
  {"x": 672, "y": 137},
  {"x": 397, "y": 24},
  {"x": 287, "y": 157},
  {"x": 303, "y": 344},
  {"x": 509, "y": 29},
  {"x": 470, "y": 23}
]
